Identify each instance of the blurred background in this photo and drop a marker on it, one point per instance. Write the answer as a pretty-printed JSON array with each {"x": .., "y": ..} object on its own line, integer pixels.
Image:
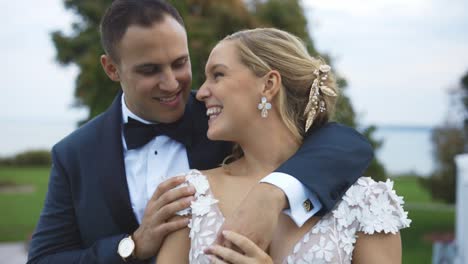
[{"x": 403, "y": 67}]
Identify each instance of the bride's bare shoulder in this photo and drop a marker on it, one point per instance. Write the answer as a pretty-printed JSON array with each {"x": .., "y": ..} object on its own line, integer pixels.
[
  {"x": 216, "y": 172},
  {"x": 213, "y": 172},
  {"x": 215, "y": 177}
]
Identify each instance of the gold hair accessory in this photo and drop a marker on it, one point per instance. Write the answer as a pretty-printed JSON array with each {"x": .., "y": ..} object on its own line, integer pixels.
[{"x": 318, "y": 86}]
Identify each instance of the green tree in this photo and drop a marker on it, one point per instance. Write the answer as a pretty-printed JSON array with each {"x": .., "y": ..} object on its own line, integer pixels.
[
  {"x": 464, "y": 92},
  {"x": 82, "y": 47},
  {"x": 207, "y": 21},
  {"x": 448, "y": 142},
  {"x": 289, "y": 15}
]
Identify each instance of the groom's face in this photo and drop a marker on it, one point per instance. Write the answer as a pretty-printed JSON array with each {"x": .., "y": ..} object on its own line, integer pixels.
[{"x": 154, "y": 70}]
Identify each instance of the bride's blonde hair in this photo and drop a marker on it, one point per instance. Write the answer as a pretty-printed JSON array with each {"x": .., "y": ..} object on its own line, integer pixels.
[{"x": 266, "y": 49}]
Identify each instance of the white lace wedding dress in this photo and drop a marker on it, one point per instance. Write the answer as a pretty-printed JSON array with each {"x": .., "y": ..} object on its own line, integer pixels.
[{"x": 367, "y": 206}]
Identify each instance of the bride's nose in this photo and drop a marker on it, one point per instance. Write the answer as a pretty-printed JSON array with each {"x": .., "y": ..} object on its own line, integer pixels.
[{"x": 203, "y": 92}]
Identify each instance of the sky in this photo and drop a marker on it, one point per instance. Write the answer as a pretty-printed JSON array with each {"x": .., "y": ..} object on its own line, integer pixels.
[
  {"x": 399, "y": 57},
  {"x": 35, "y": 87}
]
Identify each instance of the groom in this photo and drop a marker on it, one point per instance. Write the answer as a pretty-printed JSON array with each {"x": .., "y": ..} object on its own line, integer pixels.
[{"x": 109, "y": 199}]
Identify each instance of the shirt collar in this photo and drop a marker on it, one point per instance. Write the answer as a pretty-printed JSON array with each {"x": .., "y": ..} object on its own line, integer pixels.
[{"x": 126, "y": 113}]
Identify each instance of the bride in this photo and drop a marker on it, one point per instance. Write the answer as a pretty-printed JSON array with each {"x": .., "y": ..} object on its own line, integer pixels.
[{"x": 263, "y": 91}]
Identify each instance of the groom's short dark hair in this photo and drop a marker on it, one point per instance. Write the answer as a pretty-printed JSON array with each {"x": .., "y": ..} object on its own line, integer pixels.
[{"x": 123, "y": 13}]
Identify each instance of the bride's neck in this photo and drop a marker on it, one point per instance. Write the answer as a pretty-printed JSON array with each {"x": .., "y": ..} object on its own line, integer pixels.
[{"x": 270, "y": 145}]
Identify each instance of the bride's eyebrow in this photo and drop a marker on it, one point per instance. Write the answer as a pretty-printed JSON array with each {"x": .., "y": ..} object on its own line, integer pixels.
[{"x": 215, "y": 66}]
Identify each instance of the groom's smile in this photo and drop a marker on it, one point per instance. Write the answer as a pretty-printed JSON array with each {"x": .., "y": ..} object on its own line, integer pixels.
[
  {"x": 154, "y": 70},
  {"x": 171, "y": 100}
]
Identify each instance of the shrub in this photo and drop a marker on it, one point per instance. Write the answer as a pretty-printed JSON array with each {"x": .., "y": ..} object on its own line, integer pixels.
[
  {"x": 448, "y": 142},
  {"x": 28, "y": 158}
]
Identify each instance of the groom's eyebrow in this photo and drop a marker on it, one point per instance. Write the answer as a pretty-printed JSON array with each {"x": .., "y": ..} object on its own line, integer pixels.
[
  {"x": 158, "y": 66},
  {"x": 146, "y": 66}
]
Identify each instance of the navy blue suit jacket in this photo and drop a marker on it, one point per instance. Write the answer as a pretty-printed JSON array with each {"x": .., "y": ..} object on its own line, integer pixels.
[{"x": 87, "y": 210}]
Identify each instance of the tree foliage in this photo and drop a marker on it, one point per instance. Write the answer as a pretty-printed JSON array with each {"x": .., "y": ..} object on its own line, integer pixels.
[
  {"x": 28, "y": 158},
  {"x": 207, "y": 21},
  {"x": 464, "y": 92},
  {"x": 93, "y": 89},
  {"x": 448, "y": 142}
]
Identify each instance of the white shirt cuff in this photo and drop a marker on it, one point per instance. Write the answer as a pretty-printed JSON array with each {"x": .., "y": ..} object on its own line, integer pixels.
[{"x": 297, "y": 194}]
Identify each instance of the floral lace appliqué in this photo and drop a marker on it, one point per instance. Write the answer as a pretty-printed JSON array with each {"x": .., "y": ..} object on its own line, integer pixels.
[
  {"x": 367, "y": 206},
  {"x": 206, "y": 217}
]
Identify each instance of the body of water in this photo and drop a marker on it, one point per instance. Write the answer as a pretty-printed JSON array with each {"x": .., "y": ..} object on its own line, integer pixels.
[
  {"x": 19, "y": 136},
  {"x": 405, "y": 149}
]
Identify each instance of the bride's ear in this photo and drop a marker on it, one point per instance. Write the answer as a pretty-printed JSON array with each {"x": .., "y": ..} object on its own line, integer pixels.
[{"x": 272, "y": 84}]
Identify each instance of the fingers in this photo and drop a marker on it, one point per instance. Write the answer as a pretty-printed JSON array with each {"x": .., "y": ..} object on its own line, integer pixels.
[
  {"x": 162, "y": 206},
  {"x": 221, "y": 241},
  {"x": 250, "y": 252},
  {"x": 243, "y": 243},
  {"x": 173, "y": 195},
  {"x": 215, "y": 260},
  {"x": 173, "y": 225},
  {"x": 167, "y": 185},
  {"x": 219, "y": 237},
  {"x": 166, "y": 201},
  {"x": 226, "y": 254},
  {"x": 169, "y": 195},
  {"x": 169, "y": 210}
]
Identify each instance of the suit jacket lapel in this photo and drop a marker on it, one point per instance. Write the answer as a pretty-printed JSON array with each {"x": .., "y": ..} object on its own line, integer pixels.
[
  {"x": 202, "y": 154},
  {"x": 195, "y": 122},
  {"x": 112, "y": 168}
]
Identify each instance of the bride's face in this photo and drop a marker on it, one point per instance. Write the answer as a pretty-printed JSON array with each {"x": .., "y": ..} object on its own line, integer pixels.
[{"x": 231, "y": 94}]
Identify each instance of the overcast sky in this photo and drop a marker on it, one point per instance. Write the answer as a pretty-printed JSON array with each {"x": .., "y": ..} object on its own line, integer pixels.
[{"x": 399, "y": 57}]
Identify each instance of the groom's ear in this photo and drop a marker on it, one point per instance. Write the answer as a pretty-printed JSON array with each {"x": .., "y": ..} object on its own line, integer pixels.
[
  {"x": 110, "y": 68},
  {"x": 272, "y": 84}
]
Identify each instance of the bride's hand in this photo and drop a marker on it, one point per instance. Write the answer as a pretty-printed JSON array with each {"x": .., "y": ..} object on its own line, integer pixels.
[{"x": 250, "y": 254}]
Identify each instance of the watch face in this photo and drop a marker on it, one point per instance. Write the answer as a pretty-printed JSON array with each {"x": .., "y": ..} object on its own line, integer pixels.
[{"x": 126, "y": 247}]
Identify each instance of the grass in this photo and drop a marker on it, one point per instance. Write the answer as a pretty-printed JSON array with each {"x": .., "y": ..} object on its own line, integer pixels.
[
  {"x": 415, "y": 248},
  {"x": 20, "y": 212},
  {"x": 424, "y": 221},
  {"x": 409, "y": 187}
]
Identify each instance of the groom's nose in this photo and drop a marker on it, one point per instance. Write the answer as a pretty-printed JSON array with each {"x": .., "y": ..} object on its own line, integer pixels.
[{"x": 168, "y": 81}]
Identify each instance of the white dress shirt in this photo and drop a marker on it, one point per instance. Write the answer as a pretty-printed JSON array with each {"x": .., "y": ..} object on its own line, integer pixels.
[{"x": 163, "y": 157}]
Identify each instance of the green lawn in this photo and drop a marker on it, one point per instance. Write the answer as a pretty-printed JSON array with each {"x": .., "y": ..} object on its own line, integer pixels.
[
  {"x": 21, "y": 211},
  {"x": 415, "y": 248},
  {"x": 409, "y": 187},
  {"x": 425, "y": 220}
]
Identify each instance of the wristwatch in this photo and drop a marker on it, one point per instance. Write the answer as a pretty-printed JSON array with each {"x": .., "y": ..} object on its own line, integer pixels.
[{"x": 126, "y": 248}]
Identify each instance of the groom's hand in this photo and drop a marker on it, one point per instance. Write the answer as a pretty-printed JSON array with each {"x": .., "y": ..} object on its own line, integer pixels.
[
  {"x": 257, "y": 216},
  {"x": 158, "y": 220}
]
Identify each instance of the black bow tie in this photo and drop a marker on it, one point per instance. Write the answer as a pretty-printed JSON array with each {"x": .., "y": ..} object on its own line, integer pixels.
[{"x": 138, "y": 134}]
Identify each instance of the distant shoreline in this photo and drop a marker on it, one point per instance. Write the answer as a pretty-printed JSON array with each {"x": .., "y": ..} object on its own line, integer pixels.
[
  {"x": 404, "y": 127},
  {"x": 405, "y": 148}
]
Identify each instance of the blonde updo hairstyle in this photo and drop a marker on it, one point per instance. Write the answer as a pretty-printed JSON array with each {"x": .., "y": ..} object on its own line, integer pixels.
[{"x": 266, "y": 49}]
